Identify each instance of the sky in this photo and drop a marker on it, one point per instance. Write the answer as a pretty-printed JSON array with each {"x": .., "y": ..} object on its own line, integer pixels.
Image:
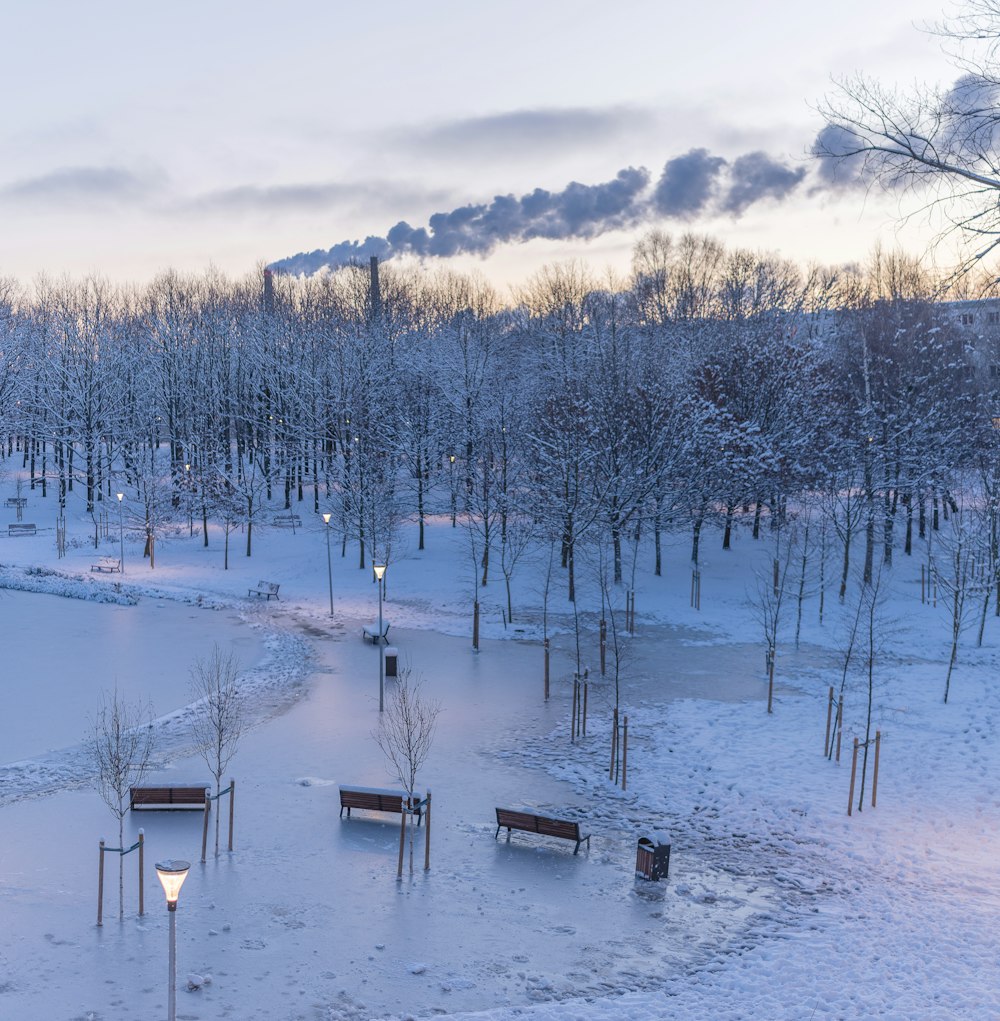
[{"x": 140, "y": 137}]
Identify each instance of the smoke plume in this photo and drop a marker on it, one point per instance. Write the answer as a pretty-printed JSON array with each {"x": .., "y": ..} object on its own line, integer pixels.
[{"x": 694, "y": 184}]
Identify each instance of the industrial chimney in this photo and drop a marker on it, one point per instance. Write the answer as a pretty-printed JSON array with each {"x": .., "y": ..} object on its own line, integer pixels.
[
  {"x": 268, "y": 292},
  {"x": 375, "y": 295}
]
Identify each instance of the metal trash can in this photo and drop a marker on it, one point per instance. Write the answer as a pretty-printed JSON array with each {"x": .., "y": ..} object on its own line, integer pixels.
[
  {"x": 391, "y": 661},
  {"x": 652, "y": 857}
]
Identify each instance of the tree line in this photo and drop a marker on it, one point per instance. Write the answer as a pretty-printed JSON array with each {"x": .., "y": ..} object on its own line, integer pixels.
[{"x": 710, "y": 386}]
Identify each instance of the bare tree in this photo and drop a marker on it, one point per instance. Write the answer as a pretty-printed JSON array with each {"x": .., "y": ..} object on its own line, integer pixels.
[
  {"x": 220, "y": 714},
  {"x": 405, "y": 733},
  {"x": 937, "y": 142},
  {"x": 121, "y": 746}
]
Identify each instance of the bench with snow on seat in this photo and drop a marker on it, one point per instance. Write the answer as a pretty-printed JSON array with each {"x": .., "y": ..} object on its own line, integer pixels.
[
  {"x": 266, "y": 589},
  {"x": 287, "y": 520},
  {"x": 163, "y": 797},
  {"x": 370, "y": 632},
  {"x": 107, "y": 566},
  {"x": 545, "y": 825},
  {"x": 375, "y": 799},
  {"x": 21, "y": 530}
]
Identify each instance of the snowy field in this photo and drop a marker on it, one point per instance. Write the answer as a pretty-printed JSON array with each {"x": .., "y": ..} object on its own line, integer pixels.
[{"x": 778, "y": 905}]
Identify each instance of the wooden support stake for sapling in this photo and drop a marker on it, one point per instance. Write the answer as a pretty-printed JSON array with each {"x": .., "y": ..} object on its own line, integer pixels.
[
  {"x": 402, "y": 841},
  {"x": 585, "y": 686},
  {"x": 232, "y": 795},
  {"x": 840, "y": 725},
  {"x": 546, "y": 670},
  {"x": 475, "y": 625},
  {"x": 922, "y": 585},
  {"x": 604, "y": 645},
  {"x": 854, "y": 770},
  {"x": 614, "y": 745},
  {"x": 100, "y": 886},
  {"x": 624, "y": 752},
  {"x": 572, "y": 719},
  {"x": 829, "y": 720},
  {"x": 142, "y": 841},
  {"x": 878, "y": 742},
  {"x": 427, "y": 833},
  {"x": 204, "y": 828}
]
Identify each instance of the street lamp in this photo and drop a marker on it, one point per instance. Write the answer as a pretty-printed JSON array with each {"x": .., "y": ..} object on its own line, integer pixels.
[
  {"x": 121, "y": 534},
  {"x": 380, "y": 574},
  {"x": 329, "y": 568},
  {"x": 451, "y": 472},
  {"x": 172, "y": 875}
]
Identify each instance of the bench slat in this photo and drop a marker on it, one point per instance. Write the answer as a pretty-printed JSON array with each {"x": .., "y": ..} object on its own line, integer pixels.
[{"x": 374, "y": 800}]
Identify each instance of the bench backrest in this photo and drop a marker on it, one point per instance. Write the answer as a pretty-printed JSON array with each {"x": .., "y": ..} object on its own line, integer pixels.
[
  {"x": 167, "y": 795},
  {"x": 371, "y": 800},
  {"x": 532, "y": 823}
]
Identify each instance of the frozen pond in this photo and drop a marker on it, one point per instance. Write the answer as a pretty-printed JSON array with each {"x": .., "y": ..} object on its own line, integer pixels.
[{"x": 71, "y": 650}]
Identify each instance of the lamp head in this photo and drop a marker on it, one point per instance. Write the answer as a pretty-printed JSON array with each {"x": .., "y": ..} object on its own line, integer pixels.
[
  {"x": 119, "y": 495},
  {"x": 326, "y": 519},
  {"x": 379, "y": 570},
  {"x": 172, "y": 874}
]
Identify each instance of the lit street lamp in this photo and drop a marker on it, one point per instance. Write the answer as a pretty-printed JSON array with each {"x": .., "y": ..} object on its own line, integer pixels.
[
  {"x": 329, "y": 568},
  {"x": 172, "y": 875},
  {"x": 380, "y": 574},
  {"x": 121, "y": 533},
  {"x": 451, "y": 473}
]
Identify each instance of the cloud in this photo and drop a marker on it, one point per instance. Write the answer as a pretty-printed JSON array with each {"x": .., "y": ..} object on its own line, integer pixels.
[
  {"x": 304, "y": 197},
  {"x": 536, "y": 130},
  {"x": 68, "y": 185}
]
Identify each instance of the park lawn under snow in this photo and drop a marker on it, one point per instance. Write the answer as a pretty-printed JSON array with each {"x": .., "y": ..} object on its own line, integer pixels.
[{"x": 778, "y": 905}]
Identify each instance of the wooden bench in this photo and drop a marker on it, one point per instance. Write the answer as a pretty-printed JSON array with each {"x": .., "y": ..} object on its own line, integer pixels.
[
  {"x": 373, "y": 799},
  {"x": 287, "y": 520},
  {"x": 107, "y": 566},
  {"x": 17, "y": 501},
  {"x": 266, "y": 589},
  {"x": 162, "y": 798},
  {"x": 370, "y": 632},
  {"x": 21, "y": 530},
  {"x": 522, "y": 819}
]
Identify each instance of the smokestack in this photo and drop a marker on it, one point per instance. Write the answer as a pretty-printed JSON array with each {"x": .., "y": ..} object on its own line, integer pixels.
[
  {"x": 268, "y": 292},
  {"x": 375, "y": 295}
]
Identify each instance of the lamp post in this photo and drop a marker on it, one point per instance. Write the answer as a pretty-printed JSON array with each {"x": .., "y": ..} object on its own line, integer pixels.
[
  {"x": 380, "y": 574},
  {"x": 172, "y": 875},
  {"x": 451, "y": 472},
  {"x": 121, "y": 532},
  {"x": 329, "y": 568}
]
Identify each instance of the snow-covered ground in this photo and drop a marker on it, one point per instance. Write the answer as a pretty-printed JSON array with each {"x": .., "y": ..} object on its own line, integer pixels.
[{"x": 778, "y": 906}]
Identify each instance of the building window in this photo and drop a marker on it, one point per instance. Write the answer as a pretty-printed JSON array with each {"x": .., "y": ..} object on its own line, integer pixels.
[
  {"x": 993, "y": 317},
  {"x": 967, "y": 318},
  {"x": 994, "y": 371}
]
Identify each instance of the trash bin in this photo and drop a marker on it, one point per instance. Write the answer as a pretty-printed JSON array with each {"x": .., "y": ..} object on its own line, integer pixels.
[
  {"x": 652, "y": 857},
  {"x": 391, "y": 661}
]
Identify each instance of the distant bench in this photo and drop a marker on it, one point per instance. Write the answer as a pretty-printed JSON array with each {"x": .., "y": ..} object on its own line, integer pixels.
[
  {"x": 179, "y": 796},
  {"x": 107, "y": 566},
  {"x": 17, "y": 501},
  {"x": 373, "y": 799},
  {"x": 287, "y": 520},
  {"x": 529, "y": 822},
  {"x": 21, "y": 530},
  {"x": 370, "y": 632},
  {"x": 266, "y": 589}
]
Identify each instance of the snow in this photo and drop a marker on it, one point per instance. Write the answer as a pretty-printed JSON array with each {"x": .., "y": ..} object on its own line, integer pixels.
[{"x": 778, "y": 905}]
